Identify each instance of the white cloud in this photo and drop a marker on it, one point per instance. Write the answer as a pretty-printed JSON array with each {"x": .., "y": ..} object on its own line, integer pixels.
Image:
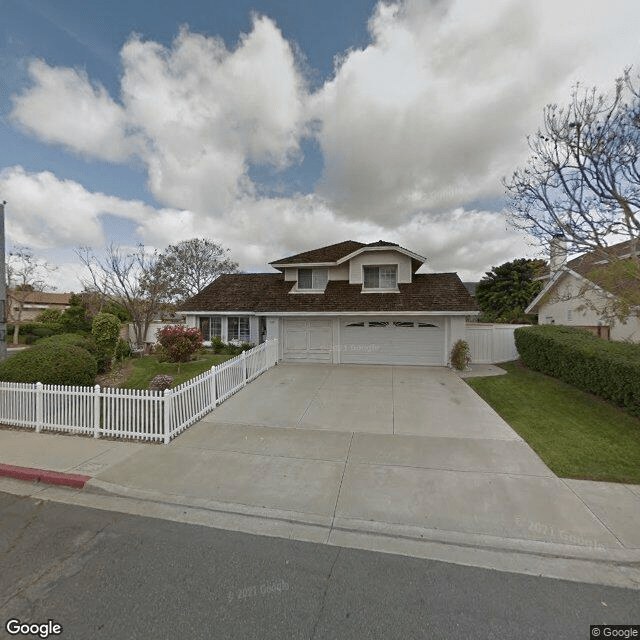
[
  {"x": 64, "y": 107},
  {"x": 196, "y": 113},
  {"x": 46, "y": 212},
  {"x": 415, "y": 129},
  {"x": 435, "y": 110}
]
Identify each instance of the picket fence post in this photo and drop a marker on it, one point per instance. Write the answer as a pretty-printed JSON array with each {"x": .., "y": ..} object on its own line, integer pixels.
[
  {"x": 214, "y": 397},
  {"x": 96, "y": 411},
  {"x": 167, "y": 415},
  {"x": 39, "y": 406},
  {"x": 243, "y": 358}
]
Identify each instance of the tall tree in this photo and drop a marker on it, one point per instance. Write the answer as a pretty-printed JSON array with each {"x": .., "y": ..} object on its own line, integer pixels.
[
  {"x": 505, "y": 291},
  {"x": 194, "y": 264},
  {"x": 582, "y": 181},
  {"x": 26, "y": 274},
  {"x": 130, "y": 279}
]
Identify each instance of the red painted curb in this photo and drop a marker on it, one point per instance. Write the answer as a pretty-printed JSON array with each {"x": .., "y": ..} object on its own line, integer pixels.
[{"x": 52, "y": 477}]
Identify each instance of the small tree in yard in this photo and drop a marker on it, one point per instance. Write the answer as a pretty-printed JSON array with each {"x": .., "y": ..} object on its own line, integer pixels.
[
  {"x": 180, "y": 343},
  {"x": 105, "y": 330}
]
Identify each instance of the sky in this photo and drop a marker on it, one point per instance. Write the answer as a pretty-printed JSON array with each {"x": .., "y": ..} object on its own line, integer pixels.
[{"x": 277, "y": 126}]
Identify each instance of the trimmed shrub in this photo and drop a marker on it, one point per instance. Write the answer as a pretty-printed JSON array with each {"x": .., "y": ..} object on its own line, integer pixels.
[
  {"x": 51, "y": 364},
  {"x": 460, "y": 355},
  {"x": 49, "y": 316},
  {"x": 65, "y": 339},
  {"x": 37, "y": 331},
  {"x": 610, "y": 370},
  {"x": 123, "y": 350},
  {"x": 217, "y": 345},
  {"x": 105, "y": 330},
  {"x": 179, "y": 343}
]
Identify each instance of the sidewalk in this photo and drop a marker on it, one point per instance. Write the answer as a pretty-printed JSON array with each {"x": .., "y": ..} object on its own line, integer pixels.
[{"x": 327, "y": 487}]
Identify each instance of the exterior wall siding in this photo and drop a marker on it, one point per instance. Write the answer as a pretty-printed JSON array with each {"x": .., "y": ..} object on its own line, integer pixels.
[
  {"x": 380, "y": 257},
  {"x": 563, "y": 308}
]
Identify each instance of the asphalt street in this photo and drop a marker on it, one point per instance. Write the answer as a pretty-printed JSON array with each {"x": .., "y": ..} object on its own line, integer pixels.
[{"x": 102, "y": 574}]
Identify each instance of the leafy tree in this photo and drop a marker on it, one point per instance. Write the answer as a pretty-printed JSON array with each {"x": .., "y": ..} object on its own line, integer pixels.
[
  {"x": 132, "y": 280},
  {"x": 582, "y": 181},
  {"x": 505, "y": 291},
  {"x": 194, "y": 264}
]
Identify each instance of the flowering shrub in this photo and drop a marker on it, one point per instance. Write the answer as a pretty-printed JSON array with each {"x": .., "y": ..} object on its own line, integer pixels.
[
  {"x": 179, "y": 343},
  {"x": 160, "y": 382}
]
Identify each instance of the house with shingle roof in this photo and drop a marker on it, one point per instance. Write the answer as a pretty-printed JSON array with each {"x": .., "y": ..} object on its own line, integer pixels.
[
  {"x": 26, "y": 305},
  {"x": 348, "y": 302},
  {"x": 578, "y": 293}
]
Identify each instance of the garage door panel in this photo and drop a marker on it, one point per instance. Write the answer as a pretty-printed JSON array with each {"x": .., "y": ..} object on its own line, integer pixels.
[
  {"x": 308, "y": 340},
  {"x": 393, "y": 341}
]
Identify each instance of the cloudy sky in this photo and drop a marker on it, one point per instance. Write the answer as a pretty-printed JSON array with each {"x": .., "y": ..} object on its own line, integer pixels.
[{"x": 276, "y": 126}]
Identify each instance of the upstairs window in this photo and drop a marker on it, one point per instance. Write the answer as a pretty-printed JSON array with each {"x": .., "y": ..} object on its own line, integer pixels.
[
  {"x": 385, "y": 277},
  {"x": 315, "y": 279}
]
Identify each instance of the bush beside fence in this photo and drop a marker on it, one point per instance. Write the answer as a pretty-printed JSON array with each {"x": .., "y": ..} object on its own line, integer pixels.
[
  {"x": 131, "y": 413},
  {"x": 610, "y": 370}
]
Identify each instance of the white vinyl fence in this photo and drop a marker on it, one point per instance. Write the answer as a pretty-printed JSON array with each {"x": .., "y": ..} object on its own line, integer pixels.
[
  {"x": 131, "y": 413},
  {"x": 491, "y": 343}
]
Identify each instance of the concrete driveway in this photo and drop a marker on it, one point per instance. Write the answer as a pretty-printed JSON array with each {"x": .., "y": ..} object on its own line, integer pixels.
[{"x": 383, "y": 458}]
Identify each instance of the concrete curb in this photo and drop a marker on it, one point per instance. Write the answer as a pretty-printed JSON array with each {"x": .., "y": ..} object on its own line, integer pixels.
[
  {"x": 338, "y": 525},
  {"x": 42, "y": 475}
]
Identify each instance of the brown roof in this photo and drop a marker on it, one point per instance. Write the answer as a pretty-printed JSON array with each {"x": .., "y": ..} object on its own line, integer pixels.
[
  {"x": 586, "y": 264},
  {"x": 331, "y": 253},
  {"x": 41, "y": 297},
  {"x": 269, "y": 292}
]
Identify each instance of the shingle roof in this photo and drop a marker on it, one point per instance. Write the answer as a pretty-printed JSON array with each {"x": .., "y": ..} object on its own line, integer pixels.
[
  {"x": 269, "y": 292},
  {"x": 586, "y": 264},
  {"x": 41, "y": 297},
  {"x": 330, "y": 253}
]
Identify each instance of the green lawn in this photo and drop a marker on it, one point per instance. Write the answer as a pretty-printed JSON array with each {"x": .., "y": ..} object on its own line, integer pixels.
[
  {"x": 576, "y": 434},
  {"x": 141, "y": 370}
]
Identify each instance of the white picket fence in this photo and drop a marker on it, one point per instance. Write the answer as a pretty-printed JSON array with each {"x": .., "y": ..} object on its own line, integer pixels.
[
  {"x": 491, "y": 343},
  {"x": 131, "y": 413}
]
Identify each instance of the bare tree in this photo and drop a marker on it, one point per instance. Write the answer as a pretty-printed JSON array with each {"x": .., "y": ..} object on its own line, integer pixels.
[
  {"x": 131, "y": 279},
  {"x": 26, "y": 275},
  {"x": 194, "y": 264},
  {"x": 582, "y": 183}
]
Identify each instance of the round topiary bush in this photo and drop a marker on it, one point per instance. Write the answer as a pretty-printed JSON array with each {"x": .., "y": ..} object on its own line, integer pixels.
[{"x": 51, "y": 364}]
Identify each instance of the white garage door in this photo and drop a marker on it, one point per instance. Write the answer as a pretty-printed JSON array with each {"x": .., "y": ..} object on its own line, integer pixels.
[
  {"x": 307, "y": 340},
  {"x": 393, "y": 341}
]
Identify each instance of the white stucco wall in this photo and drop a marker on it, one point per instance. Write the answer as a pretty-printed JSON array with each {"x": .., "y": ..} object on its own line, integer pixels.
[
  {"x": 380, "y": 258},
  {"x": 565, "y": 306}
]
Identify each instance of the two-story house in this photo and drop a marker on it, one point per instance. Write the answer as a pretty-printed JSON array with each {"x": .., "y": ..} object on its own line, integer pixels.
[{"x": 345, "y": 303}]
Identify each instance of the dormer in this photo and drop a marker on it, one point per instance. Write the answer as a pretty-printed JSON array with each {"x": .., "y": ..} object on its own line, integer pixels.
[{"x": 378, "y": 267}]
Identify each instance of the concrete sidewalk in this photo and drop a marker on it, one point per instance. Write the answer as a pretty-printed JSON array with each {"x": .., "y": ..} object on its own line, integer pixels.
[{"x": 419, "y": 496}]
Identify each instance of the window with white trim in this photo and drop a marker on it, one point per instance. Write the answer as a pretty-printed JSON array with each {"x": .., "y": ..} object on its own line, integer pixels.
[
  {"x": 314, "y": 279},
  {"x": 210, "y": 327},
  {"x": 381, "y": 277},
  {"x": 238, "y": 328}
]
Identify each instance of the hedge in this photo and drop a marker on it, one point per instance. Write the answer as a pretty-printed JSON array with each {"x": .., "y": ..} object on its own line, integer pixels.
[
  {"x": 610, "y": 370},
  {"x": 51, "y": 364}
]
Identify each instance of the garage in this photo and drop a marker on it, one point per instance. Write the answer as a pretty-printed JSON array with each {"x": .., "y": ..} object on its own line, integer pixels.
[
  {"x": 418, "y": 341},
  {"x": 307, "y": 340}
]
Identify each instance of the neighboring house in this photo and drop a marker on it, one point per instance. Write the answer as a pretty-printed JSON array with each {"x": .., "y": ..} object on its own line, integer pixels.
[
  {"x": 345, "y": 303},
  {"x": 574, "y": 297},
  {"x": 162, "y": 320},
  {"x": 25, "y": 306}
]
